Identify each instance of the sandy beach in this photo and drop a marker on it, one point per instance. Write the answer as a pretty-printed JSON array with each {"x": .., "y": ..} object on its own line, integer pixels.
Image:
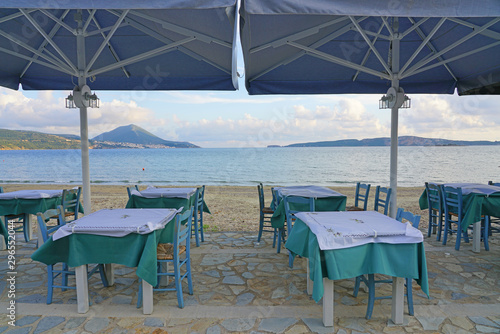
[{"x": 233, "y": 208}]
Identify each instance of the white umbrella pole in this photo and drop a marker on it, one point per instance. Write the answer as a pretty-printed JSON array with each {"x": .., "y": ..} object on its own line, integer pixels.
[{"x": 393, "y": 207}]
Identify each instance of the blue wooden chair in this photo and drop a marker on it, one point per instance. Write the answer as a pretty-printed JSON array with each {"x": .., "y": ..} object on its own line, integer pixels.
[
  {"x": 370, "y": 280},
  {"x": 361, "y": 197},
  {"x": 382, "y": 201},
  {"x": 21, "y": 219},
  {"x": 435, "y": 204},
  {"x": 129, "y": 190},
  {"x": 198, "y": 215},
  {"x": 177, "y": 254},
  {"x": 60, "y": 270},
  {"x": 71, "y": 204},
  {"x": 265, "y": 216},
  {"x": 453, "y": 216},
  {"x": 293, "y": 205}
]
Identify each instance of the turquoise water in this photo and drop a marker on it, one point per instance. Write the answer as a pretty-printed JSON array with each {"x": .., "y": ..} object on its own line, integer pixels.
[{"x": 327, "y": 166}]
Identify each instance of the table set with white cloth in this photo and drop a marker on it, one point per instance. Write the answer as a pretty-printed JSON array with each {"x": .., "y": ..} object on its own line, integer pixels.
[
  {"x": 124, "y": 236},
  {"x": 340, "y": 245}
]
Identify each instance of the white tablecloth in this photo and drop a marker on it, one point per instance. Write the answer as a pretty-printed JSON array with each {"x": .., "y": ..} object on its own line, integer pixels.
[
  {"x": 152, "y": 192},
  {"x": 31, "y": 194},
  {"x": 118, "y": 222},
  {"x": 478, "y": 188},
  {"x": 307, "y": 191},
  {"x": 335, "y": 230}
]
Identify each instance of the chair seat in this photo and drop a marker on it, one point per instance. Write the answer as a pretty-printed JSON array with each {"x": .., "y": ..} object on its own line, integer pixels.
[
  {"x": 353, "y": 208},
  {"x": 166, "y": 251},
  {"x": 267, "y": 210}
]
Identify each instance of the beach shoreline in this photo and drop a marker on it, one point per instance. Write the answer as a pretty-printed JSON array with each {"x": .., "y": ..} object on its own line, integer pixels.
[{"x": 233, "y": 208}]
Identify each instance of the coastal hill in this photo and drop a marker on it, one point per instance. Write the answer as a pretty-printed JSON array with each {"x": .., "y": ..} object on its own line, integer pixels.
[
  {"x": 134, "y": 136},
  {"x": 402, "y": 141},
  {"x": 130, "y": 136}
]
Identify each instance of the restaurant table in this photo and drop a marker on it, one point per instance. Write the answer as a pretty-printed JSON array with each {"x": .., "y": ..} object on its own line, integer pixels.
[
  {"x": 478, "y": 199},
  {"x": 124, "y": 236},
  {"x": 340, "y": 245},
  {"x": 27, "y": 202},
  {"x": 172, "y": 198},
  {"x": 326, "y": 199}
]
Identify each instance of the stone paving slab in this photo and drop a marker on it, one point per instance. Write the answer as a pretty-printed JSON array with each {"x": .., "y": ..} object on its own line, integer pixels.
[{"x": 244, "y": 286}]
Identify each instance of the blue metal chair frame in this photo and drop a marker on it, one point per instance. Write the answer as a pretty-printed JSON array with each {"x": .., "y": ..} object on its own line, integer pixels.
[
  {"x": 64, "y": 272},
  {"x": 492, "y": 219},
  {"x": 182, "y": 230},
  {"x": 265, "y": 216},
  {"x": 22, "y": 219},
  {"x": 129, "y": 190},
  {"x": 435, "y": 204},
  {"x": 380, "y": 201},
  {"x": 71, "y": 203},
  {"x": 370, "y": 280}
]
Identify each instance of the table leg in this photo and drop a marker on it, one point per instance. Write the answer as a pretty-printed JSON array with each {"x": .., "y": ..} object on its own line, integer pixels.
[
  {"x": 109, "y": 272},
  {"x": 82, "y": 289},
  {"x": 309, "y": 281},
  {"x": 164, "y": 280},
  {"x": 147, "y": 297},
  {"x": 328, "y": 315},
  {"x": 476, "y": 237},
  {"x": 397, "y": 300}
]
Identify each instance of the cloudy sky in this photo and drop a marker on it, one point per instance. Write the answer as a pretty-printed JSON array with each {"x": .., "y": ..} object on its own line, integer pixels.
[{"x": 236, "y": 119}]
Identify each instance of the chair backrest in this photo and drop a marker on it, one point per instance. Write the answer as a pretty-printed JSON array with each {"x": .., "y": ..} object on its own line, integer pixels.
[
  {"x": 260, "y": 189},
  {"x": 200, "y": 195},
  {"x": 294, "y": 204},
  {"x": 362, "y": 193},
  {"x": 491, "y": 183},
  {"x": 407, "y": 215},
  {"x": 452, "y": 201},
  {"x": 71, "y": 200},
  {"x": 434, "y": 197},
  {"x": 380, "y": 200},
  {"x": 1, "y": 189},
  {"x": 129, "y": 190},
  {"x": 44, "y": 217},
  {"x": 182, "y": 229}
]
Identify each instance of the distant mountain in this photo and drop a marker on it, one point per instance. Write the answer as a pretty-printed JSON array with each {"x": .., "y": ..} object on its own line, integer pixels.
[
  {"x": 402, "y": 141},
  {"x": 32, "y": 140},
  {"x": 136, "y": 137}
]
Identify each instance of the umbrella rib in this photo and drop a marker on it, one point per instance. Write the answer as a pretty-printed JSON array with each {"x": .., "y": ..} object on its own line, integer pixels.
[
  {"x": 14, "y": 16},
  {"x": 420, "y": 64},
  {"x": 415, "y": 26},
  {"x": 432, "y": 48},
  {"x": 90, "y": 19},
  {"x": 183, "y": 31},
  {"x": 423, "y": 44},
  {"x": 142, "y": 56},
  {"x": 20, "y": 55},
  {"x": 317, "y": 44},
  {"x": 106, "y": 40},
  {"x": 487, "y": 32},
  {"x": 372, "y": 47},
  {"x": 296, "y": 36},
  {"x": 44, "y": 34},
  {"x": 111, "y": 49},
  {"x": 58, "y": 21},
  {"x": 463, "y": 55},
  {"x": 54, "y": 30},
  {"x": 54, "y": 61},
  {"x": 367, "y": 54},
  {"x": 340, "y": 61}
]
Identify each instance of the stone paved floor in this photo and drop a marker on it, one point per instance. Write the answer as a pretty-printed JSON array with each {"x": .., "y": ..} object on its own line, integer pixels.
[{"x": 244, "y": 286}]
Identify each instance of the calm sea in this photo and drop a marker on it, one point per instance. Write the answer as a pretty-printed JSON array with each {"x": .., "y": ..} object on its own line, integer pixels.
[{"x": 328, "y": 166}]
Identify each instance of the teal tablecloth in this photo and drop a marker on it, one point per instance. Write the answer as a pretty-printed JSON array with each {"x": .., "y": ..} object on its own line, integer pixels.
[
  {"x": 334, "y": 203},
  {"x": 475, "y": 205},
  {"x": 400, "y": 260},
  {"x": 132, "y": 250},
  {"x": 138, "y": 202}
]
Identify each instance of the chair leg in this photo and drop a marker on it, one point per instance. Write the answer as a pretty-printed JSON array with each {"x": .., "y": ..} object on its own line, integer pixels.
[
  {"x": 178, "y": 284},
  {"x": 409, "y": 295},
  {"x": 440, "y": 227},
  {"x": 291, "y": 258},
  {"x": 190, "y": 280},
  {"x": 431, "y": 223},
  {"x": 196, "y": 236},
  {"x": 459, "y": 237},
  {"x": 371, "y": 296},
  {"x": 280, "y": 231},
  {"x": 64, "y": 275},
  {"x": 261, "y": 228},
  {"x": 445, "y": 233},
  {"x": 103, "y": 276},
  {"x": 50, "y": 283},
  {"x": 139, "y": 295},
  {"x": 275, "y": 235},
  {"x": 356, "y": 286},
  {"x": 201, "y": 226},
  {"x": 486, "y": 228}
]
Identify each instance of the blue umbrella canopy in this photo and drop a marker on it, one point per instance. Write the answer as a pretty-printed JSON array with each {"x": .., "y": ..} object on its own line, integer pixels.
[
  {"x": 117, "y": 45},
  {"x": 372, "y": 47}
]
